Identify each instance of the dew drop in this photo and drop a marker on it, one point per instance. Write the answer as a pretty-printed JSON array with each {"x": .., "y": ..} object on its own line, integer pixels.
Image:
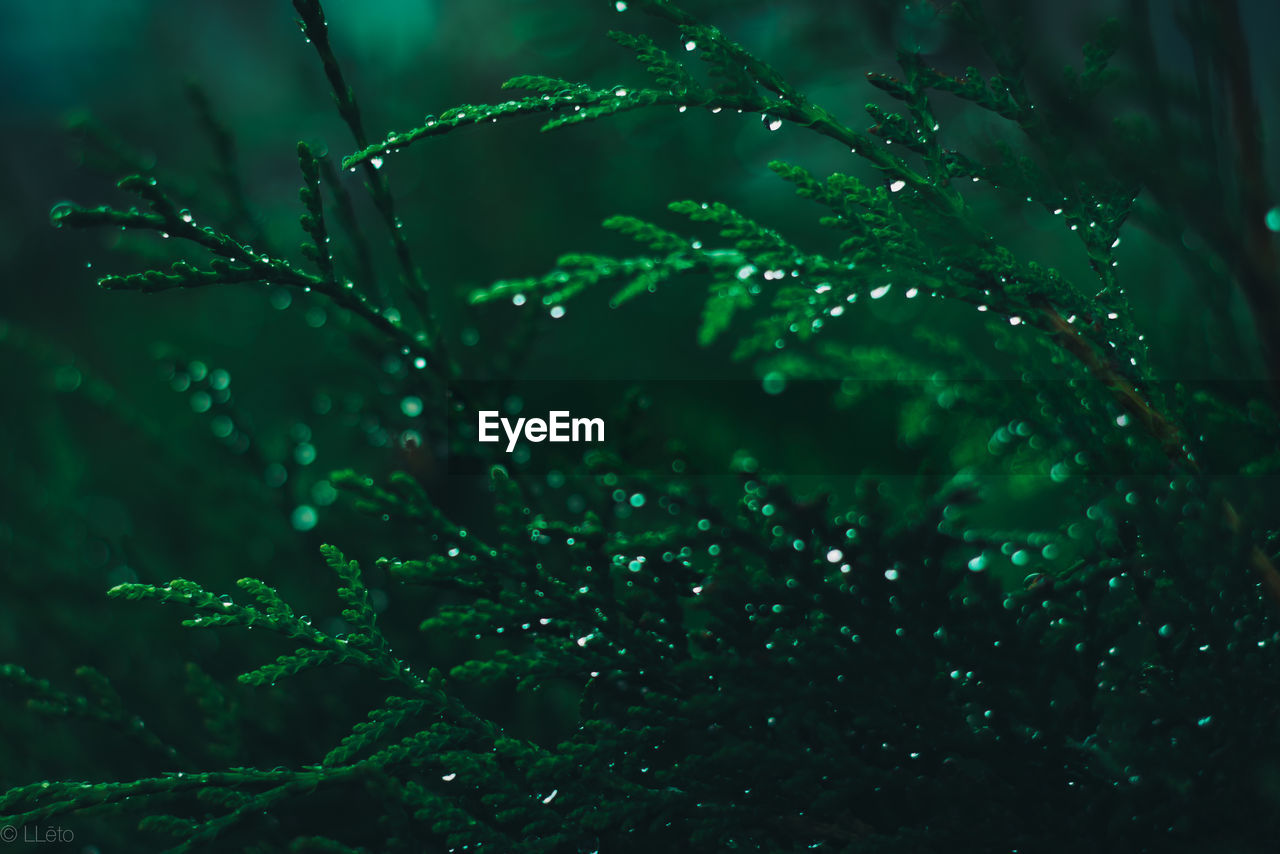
[
  {"x": 304, "y": 454},
  {"x": 304, "y": 518}
]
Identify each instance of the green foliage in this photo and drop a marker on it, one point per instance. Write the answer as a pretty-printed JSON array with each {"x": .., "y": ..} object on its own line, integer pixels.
[
  {"x": 756, "y": 664},
  {"x": 364, "y": 647},
  {"x": 100, "y": 703}
]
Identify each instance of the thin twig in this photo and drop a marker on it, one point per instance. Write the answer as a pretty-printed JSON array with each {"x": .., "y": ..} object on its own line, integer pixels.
[{"x": 316, "y": 30}]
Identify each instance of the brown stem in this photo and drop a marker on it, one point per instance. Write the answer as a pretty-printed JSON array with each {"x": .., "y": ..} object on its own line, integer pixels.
[
  {"x": 1126, "y": 394},
  {"x": 1158, "y": 426}
]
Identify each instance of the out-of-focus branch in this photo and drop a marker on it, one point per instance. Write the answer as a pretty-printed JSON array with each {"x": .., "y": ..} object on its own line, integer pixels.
[{"x": 1257, "y": 267}]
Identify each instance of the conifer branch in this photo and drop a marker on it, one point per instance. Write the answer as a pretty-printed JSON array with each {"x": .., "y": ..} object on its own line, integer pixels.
[
  {"x": 100, "y": 703},
  {"x": 1008, "y": 96},
  {"x": 313, "y": 220},
  {"x": 227, "y": 162},
  {"x": 365, "y": 648},
  {"x": 235, "y": 261},
  {"x": 40, "y": 802},
  {"x": 316, "y": 30},
  {"x": 346, "y": 215}
]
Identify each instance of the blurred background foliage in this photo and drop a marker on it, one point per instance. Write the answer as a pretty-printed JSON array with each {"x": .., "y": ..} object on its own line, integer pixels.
[{"x": 113, "y": 465}]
